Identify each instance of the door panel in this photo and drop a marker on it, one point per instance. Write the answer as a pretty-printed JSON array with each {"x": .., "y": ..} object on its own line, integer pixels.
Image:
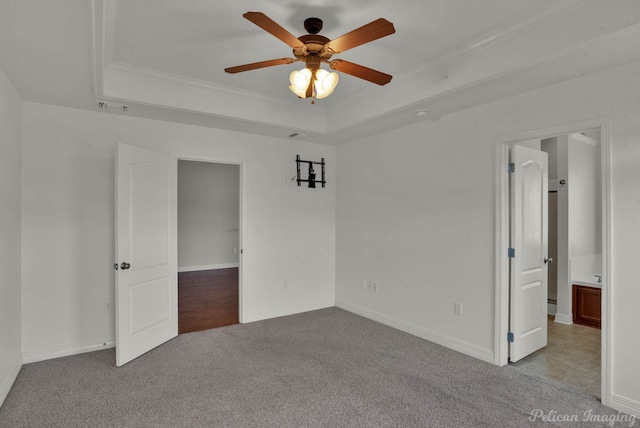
[
  {"x": 150, "y": 197},
  {"x": 154, "y": 296},
  {"x": 146, "y": 239},
  {"x": 529, "y": 230}
]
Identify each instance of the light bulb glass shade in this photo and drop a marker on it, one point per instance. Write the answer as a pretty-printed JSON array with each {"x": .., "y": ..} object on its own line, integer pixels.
[
  {"x": 301, "y": 94},
  {"x": 300, "y": 82},
  {"x": 321, "y": 74},
  {"x": 325, "y": 83}
]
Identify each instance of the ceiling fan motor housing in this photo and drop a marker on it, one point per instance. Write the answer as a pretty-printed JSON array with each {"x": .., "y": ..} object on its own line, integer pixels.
[
  {"x": 313, "y": 25},
  {"x": 313, "y": 45}
]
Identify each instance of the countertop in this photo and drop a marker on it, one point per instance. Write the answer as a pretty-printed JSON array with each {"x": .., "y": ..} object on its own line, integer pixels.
[{"x": 587, "y": 281}]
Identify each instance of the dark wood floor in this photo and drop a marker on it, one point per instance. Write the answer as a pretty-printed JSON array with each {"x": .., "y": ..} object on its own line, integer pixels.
[{"x": 207, "y": 299}]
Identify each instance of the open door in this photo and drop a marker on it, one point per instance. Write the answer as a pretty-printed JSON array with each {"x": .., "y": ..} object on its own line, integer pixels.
[
  {"x": 528, "y": 251},
  {"x": 146, "y": 251}
]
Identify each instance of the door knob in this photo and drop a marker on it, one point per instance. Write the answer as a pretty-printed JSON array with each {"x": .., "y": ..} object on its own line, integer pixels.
[
  {"x": 124, "y": 265},
  {"x": 548, "y": 260}
]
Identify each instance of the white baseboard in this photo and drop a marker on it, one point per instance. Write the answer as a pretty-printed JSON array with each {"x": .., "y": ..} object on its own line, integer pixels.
[
  {"x": 32, "y": 356},
  {"x": 208, "y": 267},
  {"x": 625, "y": 405},
  {"x": 566, "y": 319},
  {"x": 7, "y": 383},
  {"x": 552, "y": 308},
  {"x": 289, "y": 310},
  {"x": 423, "y": 333}
]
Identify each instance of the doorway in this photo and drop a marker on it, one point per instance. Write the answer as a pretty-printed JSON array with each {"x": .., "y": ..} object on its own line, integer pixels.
[
  {"x": 572, "y": 351},
  {"x": 502, "y": 239},
  {"x": 208, "y": 245},
  {"x": 146, "y": 244}
]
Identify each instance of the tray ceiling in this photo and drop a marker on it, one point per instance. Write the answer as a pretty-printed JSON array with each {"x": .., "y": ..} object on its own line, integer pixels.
[{"x": 165, "y": 59}]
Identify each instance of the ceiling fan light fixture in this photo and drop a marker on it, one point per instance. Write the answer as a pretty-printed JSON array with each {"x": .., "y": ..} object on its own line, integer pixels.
[
  {"x": 325, "y": 83},
  {"x": 300, "y": 82}
]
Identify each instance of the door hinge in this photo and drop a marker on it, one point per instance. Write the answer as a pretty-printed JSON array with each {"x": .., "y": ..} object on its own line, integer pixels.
[
  {"x": 510, "y": 337},
  {"x": 511, "y": 252},
  {"x": 511, "y": 167}
]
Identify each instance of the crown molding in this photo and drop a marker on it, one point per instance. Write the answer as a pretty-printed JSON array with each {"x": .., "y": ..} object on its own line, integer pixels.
[
  {"x": 498, "y": 36},
  {"x": 137, "y": 85},
  {"x": 104, "y": 14},
  {"x": 97, "y": 34},
  {"x": 479, "y": 44},
  {"x": 144, "y": 72},
  {"x": 468, "y": 70},
  {"x": 110, "y": 12},
  {"x": 132, "y": 84}
]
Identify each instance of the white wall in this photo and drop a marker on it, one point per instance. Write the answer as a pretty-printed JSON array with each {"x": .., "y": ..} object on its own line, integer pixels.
[
  {"x": 564, "y": 296},
  {"x": 208, "y": 214},
  {"x": 10, "y": 188},
  {"x": 415, "y": 213},
  {"x": 579, "y": 211},
  {"x": 550, "y": 146},
  {"x": 585, "y": 229},
  {"x": 68, "y": 222}
]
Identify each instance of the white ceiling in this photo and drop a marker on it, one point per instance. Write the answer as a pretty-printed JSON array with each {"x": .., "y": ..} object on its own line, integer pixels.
[{"x": 165, "y": 59}]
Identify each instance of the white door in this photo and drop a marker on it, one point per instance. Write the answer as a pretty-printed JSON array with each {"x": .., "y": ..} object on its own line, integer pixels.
[
  {"x": 529, "y": 229},
  {"x": 146, "y": 251}
]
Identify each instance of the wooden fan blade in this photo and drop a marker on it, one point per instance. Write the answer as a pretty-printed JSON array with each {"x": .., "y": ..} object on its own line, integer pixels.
[
  {"x": 270, "y": 26},
  {"x": 261, "y": 64},
  {"x": 365, "y": 34},
  {"x": 360, "y": 71}
]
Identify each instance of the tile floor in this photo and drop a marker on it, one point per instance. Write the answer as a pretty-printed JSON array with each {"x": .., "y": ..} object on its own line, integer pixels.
[{"x": 572, "y": 356}]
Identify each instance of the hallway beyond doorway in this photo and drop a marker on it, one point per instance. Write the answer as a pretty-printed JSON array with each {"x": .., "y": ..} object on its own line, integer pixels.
[{"x": 207, "y": 299}]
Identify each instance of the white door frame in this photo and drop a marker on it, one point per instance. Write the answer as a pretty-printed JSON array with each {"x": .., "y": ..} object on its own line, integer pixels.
[
  {"x": 213, "y": 159},
  {"x": 501, "y": 352}
]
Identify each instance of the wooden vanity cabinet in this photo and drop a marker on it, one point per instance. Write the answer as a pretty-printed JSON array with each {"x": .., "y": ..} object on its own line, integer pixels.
[{"x": 587, "y": 305}]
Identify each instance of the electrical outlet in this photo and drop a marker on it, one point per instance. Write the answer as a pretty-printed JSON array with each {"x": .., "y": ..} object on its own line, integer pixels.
[
  {"x": 285, "y": 285},
  {"x": 369, "y": 285},
  {"x": 374, "y": 287},
  {"x": 108, "y": 307},
  {"x": 457, "y": 308}
]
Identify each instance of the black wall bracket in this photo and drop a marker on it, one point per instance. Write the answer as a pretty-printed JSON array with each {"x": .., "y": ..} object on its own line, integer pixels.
[{"x": 312, "y": 174}]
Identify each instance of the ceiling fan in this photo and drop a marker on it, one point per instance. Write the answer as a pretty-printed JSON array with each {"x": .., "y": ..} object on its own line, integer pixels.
[{"x": 314, "y": 49}]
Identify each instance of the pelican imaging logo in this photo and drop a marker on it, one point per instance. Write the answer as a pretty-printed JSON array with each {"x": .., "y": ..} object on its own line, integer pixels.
[{"x": 588, "y": 416}]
